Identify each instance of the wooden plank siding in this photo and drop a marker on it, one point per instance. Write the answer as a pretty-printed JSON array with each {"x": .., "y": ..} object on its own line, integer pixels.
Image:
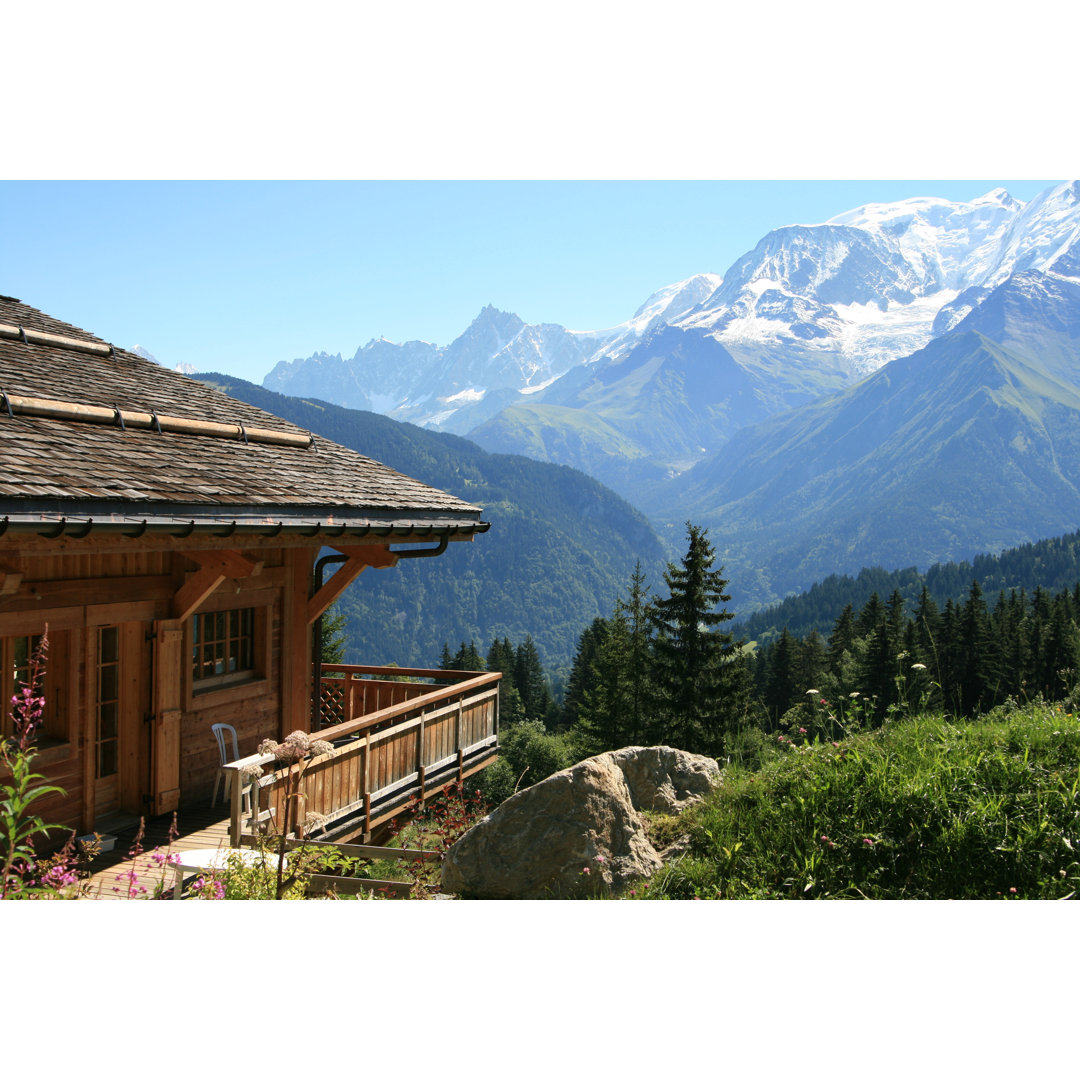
[
  {"x": 166, "y": 744},
  {"x": 406, "y": 730}
]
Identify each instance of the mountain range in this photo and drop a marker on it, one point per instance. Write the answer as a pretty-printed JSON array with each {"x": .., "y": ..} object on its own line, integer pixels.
[{"x": 897, "y": 385}]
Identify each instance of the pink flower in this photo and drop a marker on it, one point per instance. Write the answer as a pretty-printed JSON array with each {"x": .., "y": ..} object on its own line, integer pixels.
[
  {"x": 868, "y": 841},
  {"x": 1013, "y": 889},
  {"x": 802, "y": 731},
  {"x": 600, "y": 859},
  {"x": 584, "y": 869}
]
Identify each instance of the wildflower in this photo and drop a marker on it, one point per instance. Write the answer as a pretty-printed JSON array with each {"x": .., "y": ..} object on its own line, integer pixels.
[
  {"x": 321, "y": 746},
  {"x": 600, "y": 859},
  {"x": 585, "y": 870},
  {"x": 251, "y": 772},
  {"x": 813, "y": 693},
  {"x": 918, "y": 667},
  {"x": 868, "y": 841},
  {"x": 1012, "y": 889},
  {"x": 802, "y": 731},
  {"x": 853, "y": 694},
  {"x": 211, "y": 889}
]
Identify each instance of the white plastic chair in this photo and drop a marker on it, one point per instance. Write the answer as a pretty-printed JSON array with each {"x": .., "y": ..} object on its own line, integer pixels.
[{"x": 220, "y": 732}]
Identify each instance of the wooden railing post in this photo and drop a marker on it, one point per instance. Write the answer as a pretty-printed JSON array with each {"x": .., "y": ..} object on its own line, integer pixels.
[
  {"x": 459, "y": 746},
  {"x": 420, "y": 754},
  {"x": 236, "y": 808}
]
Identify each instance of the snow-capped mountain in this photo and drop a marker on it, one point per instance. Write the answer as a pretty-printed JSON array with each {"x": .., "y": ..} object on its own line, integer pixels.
[
  {"x": 866, "y": 286},
  {"x": 810, "y": 310},
  {"x": 184, "y": 369},
  {"x": 431, "y": 385}
]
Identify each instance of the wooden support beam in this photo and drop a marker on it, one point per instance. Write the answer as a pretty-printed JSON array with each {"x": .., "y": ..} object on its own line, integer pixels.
[
  {"x": 199, "y": 586},
  {"x": 10, "y": 580},
  {"x": 234, "y": 564},
  {"x": 358, "y": 560},
  {"x": 215, "y": 567},
  {"x": 296, "y": 643}
]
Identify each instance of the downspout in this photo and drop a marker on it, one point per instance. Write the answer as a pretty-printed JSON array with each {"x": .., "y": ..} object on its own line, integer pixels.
[
  {"x": 316, "y": 660},
  {"x": 317, "y": 584}
]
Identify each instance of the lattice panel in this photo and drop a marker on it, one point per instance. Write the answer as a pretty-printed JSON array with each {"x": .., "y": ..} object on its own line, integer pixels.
[{"x": 332, "y": 704}]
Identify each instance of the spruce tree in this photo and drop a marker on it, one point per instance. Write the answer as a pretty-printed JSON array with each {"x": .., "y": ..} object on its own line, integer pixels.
[
  {"x": 530, "y": 681},
  {"x": 501, "y": 658},
  {"x": 697, "y": 689},
  {"x": 603, "y": 713},
  {"x": 582, "y": 674},
  {"x": 781, "y": 691},
  {"x": 637, "y": 610}
]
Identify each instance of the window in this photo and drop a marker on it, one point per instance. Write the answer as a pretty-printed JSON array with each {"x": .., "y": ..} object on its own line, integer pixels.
[
  {"x": 107, "y": 702},
  {"x": 223, "y": 647},
  {"x": 15, "y": 657}
]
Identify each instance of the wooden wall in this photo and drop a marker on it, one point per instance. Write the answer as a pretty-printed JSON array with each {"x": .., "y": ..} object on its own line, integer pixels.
[{"x": 77, "y": 591}]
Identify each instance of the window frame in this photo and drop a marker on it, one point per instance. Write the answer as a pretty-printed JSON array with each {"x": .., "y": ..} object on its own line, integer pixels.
[
  {"x": 236, "y": 685},
  {"x": 54, "y": 733}
]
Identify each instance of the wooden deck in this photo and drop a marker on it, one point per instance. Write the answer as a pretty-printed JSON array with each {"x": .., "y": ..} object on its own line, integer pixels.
[
  {"x": 198, "y": 828},
  {"x": 399, "y": 734}
]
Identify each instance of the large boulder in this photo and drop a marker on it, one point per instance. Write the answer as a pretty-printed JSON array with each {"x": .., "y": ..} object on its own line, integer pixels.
[{"x": 579, "y": 832}]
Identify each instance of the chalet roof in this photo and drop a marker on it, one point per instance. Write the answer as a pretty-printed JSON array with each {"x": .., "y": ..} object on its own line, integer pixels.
[{"x": 92, "y": 436}]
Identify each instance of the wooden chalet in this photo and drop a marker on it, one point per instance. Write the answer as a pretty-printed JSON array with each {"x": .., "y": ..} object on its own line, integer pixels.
[{"x": 173, "y": 542}]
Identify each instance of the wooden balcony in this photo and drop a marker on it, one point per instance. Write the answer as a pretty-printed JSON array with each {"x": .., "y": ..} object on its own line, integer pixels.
[{"x": 398, "y": 734}]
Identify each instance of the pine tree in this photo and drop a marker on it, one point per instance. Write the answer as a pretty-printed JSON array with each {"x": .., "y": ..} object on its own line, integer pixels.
[
  {"x": 530, "y": 682},
  {"x": 696, "y": 685},
  {"x": 501, "y": 658},
  {"x": 977, "y": 675},
  {"x": 582, "y": 674},
  {"x": 637, "y": 610},
  {"x": 781, "y": 691},
  {"x": 604, "y": 710},
  {"x": 332, "y": 645},
  {"x": 467, "y": 658}
]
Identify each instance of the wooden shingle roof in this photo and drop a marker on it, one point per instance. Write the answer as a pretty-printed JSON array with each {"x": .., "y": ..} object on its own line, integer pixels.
[{"x": 129, "y": 441}]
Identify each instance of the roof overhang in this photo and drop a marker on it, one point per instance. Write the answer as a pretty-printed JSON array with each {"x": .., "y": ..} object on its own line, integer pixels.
[{"x": 76, "y": 520}]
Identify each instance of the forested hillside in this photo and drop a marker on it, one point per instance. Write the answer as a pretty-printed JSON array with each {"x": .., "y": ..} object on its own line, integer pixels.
[
  {"x": 1051, "y": 565},
  {"x": 560, "y": 548}
]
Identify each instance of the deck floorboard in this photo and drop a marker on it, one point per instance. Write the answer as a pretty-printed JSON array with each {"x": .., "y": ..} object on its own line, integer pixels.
[{"x": 197, "y": 828}]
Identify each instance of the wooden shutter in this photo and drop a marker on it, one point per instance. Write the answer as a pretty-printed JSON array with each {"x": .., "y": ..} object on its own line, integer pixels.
[{"x": 167, "y": 710}]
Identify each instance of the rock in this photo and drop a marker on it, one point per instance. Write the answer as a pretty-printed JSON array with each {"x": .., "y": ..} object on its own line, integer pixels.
[{"x": 579, "y": 832}]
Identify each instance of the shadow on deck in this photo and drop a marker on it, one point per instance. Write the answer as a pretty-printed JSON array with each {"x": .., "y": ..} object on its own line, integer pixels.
[{"x": 197, "y": 827}]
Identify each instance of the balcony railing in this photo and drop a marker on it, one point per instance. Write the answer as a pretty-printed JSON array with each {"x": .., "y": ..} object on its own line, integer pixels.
[{"x": 398, "y": 734}]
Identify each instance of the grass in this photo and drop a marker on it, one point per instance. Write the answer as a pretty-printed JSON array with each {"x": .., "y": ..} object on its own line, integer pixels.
[{"x": 924, "y": 808}]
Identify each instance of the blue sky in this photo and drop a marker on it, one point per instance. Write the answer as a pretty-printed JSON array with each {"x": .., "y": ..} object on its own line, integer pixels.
[
  {"x": 234, "y": 193},
  {"x": 237, "y": 275}
]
